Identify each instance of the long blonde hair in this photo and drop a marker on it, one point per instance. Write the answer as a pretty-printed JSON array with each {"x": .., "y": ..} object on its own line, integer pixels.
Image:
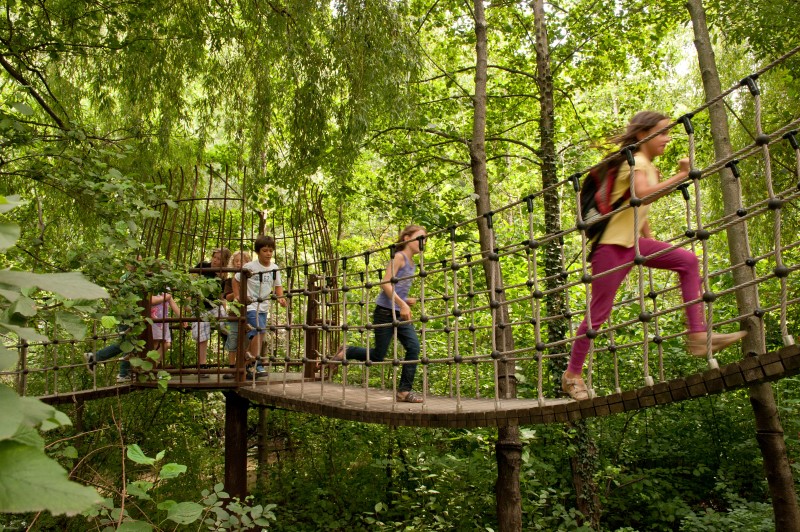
[{"x": 406, "y": 232}]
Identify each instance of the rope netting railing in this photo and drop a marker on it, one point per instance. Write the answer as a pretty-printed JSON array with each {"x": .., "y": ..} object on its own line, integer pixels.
[{"x": 468, "y": 296}]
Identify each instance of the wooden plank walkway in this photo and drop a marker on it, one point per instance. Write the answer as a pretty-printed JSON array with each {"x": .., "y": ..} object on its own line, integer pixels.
[
  {"x": 377, "y": 406},
  {"x": 85, "y": 395},
  {"x": 291, "y": 392}
]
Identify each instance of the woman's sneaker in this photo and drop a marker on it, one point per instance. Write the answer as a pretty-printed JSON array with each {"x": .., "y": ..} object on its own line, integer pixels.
[
  {"x": 124, "y": 379},
  {"x": 89, "y": 358}
]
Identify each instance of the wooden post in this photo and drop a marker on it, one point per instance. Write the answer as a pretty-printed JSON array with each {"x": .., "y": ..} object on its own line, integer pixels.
[
  {"x": 312, "y": 334},
  {"x": 263, "y": 448},
  {"x": 22, "y": 376},
  {"x": 236, "y": 444},
  {"x": 508, "y": 498}
]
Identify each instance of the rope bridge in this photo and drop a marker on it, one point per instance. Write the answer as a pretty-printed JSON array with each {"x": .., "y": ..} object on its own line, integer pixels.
[{"x": 495, "y": 323}]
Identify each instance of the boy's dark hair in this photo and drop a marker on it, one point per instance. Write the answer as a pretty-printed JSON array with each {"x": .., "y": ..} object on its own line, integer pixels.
[{"x": 264, "y": 241}]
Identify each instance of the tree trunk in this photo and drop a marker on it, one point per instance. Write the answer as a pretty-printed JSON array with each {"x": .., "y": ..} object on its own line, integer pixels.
[
  {"x": 769, "y": 432},
  {"x": 263, "y": 449},
  {"x": 507, "y": 493},
  {"x": 584, "y": 464},
  {"x": 509, "y": 448}
]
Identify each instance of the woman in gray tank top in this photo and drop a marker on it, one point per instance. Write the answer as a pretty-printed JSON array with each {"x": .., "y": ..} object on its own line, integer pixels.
[{"x": 393, "y": 303}]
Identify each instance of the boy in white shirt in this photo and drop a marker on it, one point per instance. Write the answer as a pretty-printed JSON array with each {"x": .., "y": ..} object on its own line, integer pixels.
[{"x": 264, "y": 278}]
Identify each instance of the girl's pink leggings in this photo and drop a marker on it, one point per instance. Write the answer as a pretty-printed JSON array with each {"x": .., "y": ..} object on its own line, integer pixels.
[{"x": 604, "y": 289}]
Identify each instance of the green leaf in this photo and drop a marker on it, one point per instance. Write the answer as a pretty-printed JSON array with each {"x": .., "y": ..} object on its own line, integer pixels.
[
  {"x": 146, "y": 365},
  {"x": 9, "y": 234},
  {"x": 160, "y": 455},
  {"x": 24, "y": 306},
  {"x": 71, "y": 285},
  {"x": 171, "y": 470},
  {"x": 185, "y": 513},
  {"x": 58, "y": 419},
  {"x": 11, "y": 422},
  {"x": 70, "y": 452},
  {"x": 23, "y": 108},
  {"x": 136, "y": 454},
  {"x": 20, "y": 412},
  {"x": 8, "y": 359},
  {"x": 9, "y": 202},
  {"x": 10, "y": 295},
  {"x": 139, "y": 489},
  {"x": 135, "y": 526},
  {"x": 109, "y": 322},
  {"x": 31, "y": 482},
  {"x": 166, "y": 505},
  {"x": 71, "y": 323},
  {"x": 33, "y": 411},
  {"x": 25, "y": 333}
]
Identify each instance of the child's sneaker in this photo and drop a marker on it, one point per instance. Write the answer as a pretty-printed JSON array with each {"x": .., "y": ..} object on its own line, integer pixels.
[
  {"x": 261, "y": 371},
  {"x": 124, "y": 379},
  {"x": 89, "y": 358}
]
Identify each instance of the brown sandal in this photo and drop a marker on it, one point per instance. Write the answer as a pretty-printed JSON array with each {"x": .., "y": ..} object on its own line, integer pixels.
[
  {"x": 719, "y": 341},
  {"x": 409, "y": 397}
]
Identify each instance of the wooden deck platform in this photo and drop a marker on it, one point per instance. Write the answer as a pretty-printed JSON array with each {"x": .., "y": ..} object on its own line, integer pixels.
[
  {"x": 290, "y": 391},
  {"x": 377, "y": 406}
]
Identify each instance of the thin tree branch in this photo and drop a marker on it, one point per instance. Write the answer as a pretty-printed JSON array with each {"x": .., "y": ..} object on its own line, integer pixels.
[{"x": 21, "y": 79}]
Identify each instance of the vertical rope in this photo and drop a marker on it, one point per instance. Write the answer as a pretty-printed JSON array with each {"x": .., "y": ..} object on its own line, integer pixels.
[
  {"x": 395, "y": 323},
  {"x": 586, "y": 279},
  {"x": 703, "y": 236},
  {"x": 345, "y": 327},
  {"x": 491, "y": 256},
  {"x": 367, "y": 298},
  {"x": 775, "y": 204},
  {"x": 639, "y": 260},
  {"x": 472, "y": 327},
  {"x": 612, "y": 348},
  {"x": 652, "y": 295},
  {"x": 690, "y": 233},
  {"x": 787, "y": 338},
  {"x": 536, "y": 299},
  {"x": 456, "y": 312},
  {"x": 447, "y": 331},
  {"x": 423, "y": 319}
]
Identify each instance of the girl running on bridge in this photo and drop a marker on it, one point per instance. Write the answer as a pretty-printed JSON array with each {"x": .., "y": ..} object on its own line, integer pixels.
[
  {"x": 616, "y": 247},
  {"x": 392, "y": 304}
]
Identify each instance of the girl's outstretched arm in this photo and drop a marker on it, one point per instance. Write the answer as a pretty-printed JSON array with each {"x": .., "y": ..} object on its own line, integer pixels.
[{"x": 642, "y": 188}]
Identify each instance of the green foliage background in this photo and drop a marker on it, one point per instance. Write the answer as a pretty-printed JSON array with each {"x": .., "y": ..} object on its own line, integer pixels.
[{"x": 367, "y": 106}]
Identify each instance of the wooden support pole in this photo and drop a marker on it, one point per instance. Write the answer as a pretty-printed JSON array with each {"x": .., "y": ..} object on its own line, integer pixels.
[
  {"x": 236, "y": 444},
  {"x": 263, "y": 448},
  {"x": 312, "y": 334}
]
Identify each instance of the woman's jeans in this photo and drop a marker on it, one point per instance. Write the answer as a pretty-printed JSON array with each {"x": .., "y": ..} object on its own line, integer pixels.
[
  {"x": 407, "y": 336},
  {"x": 114, "y": 350}
]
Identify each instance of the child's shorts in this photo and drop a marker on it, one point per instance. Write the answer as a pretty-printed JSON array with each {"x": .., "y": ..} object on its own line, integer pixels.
[
  {"x": 161, "y": 332},
  {"x": 259, "y": 327},
  {"x": 233, "y": 336},
  {"x": 201, "y": 331}
]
